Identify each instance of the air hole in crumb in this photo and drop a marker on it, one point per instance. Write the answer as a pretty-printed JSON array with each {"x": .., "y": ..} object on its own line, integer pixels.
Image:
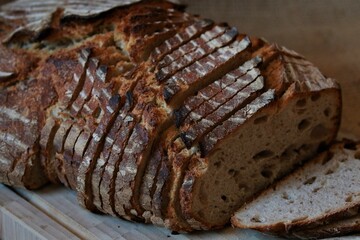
[
  {"x": 310, "y": 181},
  {"x": 329, "y": 171},
  {"x": 315, "y": 190},
  {"x": 256, "y": 219},
  {"x": 301, "y": 103},
  {"x": 285, "y": 196},
  {"x": 323, "y": 146},
  {"x": 357, "y": 155},
  {"x": 266, "y": 173},
  {"x": 349, "y": 199},
  {"x": 263, "y": 154},
  {"x": 327, "y": 112},
  {"x": 261, "y": 120},
  {"x": 349, "y": 145},
  {"x": 217, "y": 164},
  {"x": 233, "y": 172},
  {"x": 224, "y": 198},
  {"x": 319, "y": 131},
  {"x": 303, "y": 124},
  {"x": 315, "y": 97}
]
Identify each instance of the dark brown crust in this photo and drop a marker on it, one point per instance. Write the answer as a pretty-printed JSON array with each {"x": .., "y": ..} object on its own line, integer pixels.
[
  {"x": 85, "y": 92},
  {"x": 107, "y": 185},
  {"x": 171, "y": 59},
  {"x": 160, "y": 198},
  {"x": 212, "y": 90},
  {"x": 207, "y": 67},
  {"x": 74, "y": 87},
  {"x": 128, "y": 169},
  {"x": 213, "y": 114},
  {"x": 201, "y": 48},
  {"x": 180, "y": 38},
  {"x": 68, "y": 153},
  {"x": 106, "y": 154},
  {"x": 59, "y": 141},
  {"x": 46, "y": 143},
  {"x": 148, "y": 185},
  {"x": 137, "y": 155},
  {"x": 21, "y": 120},
  {"x": 83, "y": 188},
  {"x": 80, "y": 146}
]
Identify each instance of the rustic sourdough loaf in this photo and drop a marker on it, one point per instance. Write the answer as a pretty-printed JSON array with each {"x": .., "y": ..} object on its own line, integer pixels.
[
  {"x": 325, "y": 189},
  {"x": 152, "y": 114}
]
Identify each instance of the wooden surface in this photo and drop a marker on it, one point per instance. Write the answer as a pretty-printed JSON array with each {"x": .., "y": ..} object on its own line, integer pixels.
[
  {"x": 53, "y": 213},
  {"x": 325, "y": 31}
]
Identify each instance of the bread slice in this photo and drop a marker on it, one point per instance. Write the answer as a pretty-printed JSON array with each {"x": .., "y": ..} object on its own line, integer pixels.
[
  {"x": 68, "y": 153},
  {"x": 204, "y": 71},
  {"x": 200, "y": 48},
  {"x": 85, "y": 171},
  {"x": 162, "y": 52},
  {"x": 336, "y": 228},
  {"x": 207, "y": 116},
  {"x": 107, "y": 185},
  {"x": 148, "y": 185},
  {"x": 322, "y": 189},
  {"x": 75, "y": 86},
  {"x": 214, "y": 89},
  {"x": 80, "y": 147},
  {"x": 46, "y": 144},
  {"x": 85, "y": 92},
  {"x": 107, "y": 156},
  {"x": 59, "y": 142},
  {"x": 21, "y": 117},
  {"x": 187, "y": 49},
  {"x": 132, "y": 35}
]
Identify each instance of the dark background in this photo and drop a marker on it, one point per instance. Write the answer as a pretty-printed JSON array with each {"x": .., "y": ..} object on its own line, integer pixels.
[{"x": 327, "y": 32}]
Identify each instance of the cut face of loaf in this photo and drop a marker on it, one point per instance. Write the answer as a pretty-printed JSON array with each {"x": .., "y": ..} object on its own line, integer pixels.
[
  {"x": 265, "y": 141},
  {"x": 322, "y": 190}
]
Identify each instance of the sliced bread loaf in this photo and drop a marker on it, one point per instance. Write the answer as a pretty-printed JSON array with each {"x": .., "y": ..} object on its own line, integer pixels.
[
  {"x": 323, "y": 189},
  {"x": 209, "y": 110}
]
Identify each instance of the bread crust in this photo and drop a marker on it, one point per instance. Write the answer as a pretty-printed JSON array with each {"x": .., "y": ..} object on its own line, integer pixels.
[{"x": 91, "y": 154}]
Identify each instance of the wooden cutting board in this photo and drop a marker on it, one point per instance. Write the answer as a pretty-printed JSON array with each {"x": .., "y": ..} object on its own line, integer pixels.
[
  {"x": 325, "y": 31},
  {"x": 53, "y": 213}
]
